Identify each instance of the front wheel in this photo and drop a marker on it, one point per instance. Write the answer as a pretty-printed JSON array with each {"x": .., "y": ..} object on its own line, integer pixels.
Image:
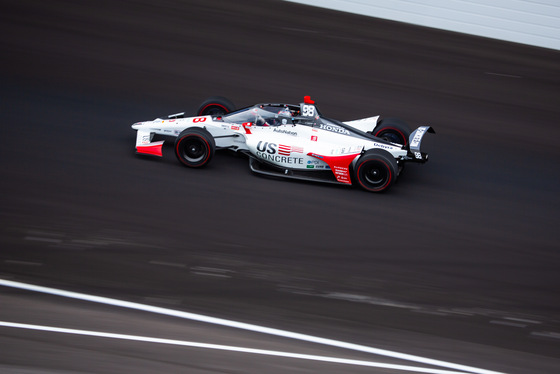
[
  {"x": 393, "y": 130},
  {"x": 215, "y": 106},
  {"x": 376, "y": 170},
  {"x": 195, "y": 147}
]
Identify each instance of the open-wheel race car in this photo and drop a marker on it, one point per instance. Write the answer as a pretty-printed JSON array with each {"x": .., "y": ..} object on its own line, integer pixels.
[{"x": 292, "y": 141}]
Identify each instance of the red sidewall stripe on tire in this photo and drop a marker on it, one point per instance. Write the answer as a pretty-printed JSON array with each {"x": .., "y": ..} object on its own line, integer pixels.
[
  {"x": 213, "y": 104},
  {"x": 207, "y": 148},
  {"x": 380, "y": 188}
]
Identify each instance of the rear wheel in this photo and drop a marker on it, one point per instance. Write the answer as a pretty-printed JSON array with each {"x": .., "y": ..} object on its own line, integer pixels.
[
  {"x": 393, "y": 130},
  {"x": 195, "y": 147},
  {"x": 215, "y": 106},
  {"x": 376, "y": 170}
]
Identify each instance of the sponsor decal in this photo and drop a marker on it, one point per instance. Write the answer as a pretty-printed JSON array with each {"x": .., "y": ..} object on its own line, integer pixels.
[
  {"x": 339, "y": 170},
  {"x": 341, "y": 174},
  {"x": 419, "y": 133},
  {"x": 313, "y": 138},
  {"x": 316, "y": 164},
  {"x": 199, "y": 119},
  {"x": 339, "y": 165},
  {"x": 280, "y": 159},
  {"x": 145, "y": 139},
  {"x": 235, "y": 127},
  {"x": 384, "y": 146},
  {"x": 278, "y": 153},
  {"x": 418, "y": 155},
  {"x": 285, "y": 150},
  {"x": 266, "y": 147},
  {"x": 346, "y": 150},
  {"x": 287, "y": 132},
  {"x": 334, "y": 128}
]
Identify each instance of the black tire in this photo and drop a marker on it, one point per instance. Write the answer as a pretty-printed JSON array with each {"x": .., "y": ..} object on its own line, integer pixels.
[
  {"x": 393, "y": 130},
  {"x": 195, "y": 147},
  {"x": 215, "y": 106},
  {"x": 376, "y": 170}
]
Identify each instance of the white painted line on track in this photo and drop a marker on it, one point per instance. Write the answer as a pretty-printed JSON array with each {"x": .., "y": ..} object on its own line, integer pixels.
[
  {"x": 243, "y": 326},
  {"x": 300, "y": 356}
]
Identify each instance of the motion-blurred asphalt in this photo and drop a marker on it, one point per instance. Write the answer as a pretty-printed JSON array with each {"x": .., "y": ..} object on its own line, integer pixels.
[{"x": 459, "y": 261}]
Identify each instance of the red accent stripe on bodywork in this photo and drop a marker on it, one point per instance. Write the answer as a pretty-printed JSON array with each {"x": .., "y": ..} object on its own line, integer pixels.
[
  {"x": 153, "y": 149},
  {"x": 340, "y": 165},
  {"x": 247, "y": 127}
]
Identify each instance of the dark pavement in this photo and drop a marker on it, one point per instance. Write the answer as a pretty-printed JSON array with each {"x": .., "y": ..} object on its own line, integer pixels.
[{"x": 458, "y": 262}]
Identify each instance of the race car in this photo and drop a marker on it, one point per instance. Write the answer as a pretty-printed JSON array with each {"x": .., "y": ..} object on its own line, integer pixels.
[{"x": 292, "y": 141}]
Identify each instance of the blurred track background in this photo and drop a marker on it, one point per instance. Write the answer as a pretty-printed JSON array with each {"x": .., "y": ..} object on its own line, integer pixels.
[{"x": 458, "y": 262}]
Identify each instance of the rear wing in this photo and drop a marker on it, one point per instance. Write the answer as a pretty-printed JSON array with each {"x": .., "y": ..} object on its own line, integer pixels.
[{"x": 415, "y": 140}]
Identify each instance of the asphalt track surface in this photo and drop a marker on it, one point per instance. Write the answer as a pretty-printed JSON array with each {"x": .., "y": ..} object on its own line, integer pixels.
[{"x": 458, "y": 262}]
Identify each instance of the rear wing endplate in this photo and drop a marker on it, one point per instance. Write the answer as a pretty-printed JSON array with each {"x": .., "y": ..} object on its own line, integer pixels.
[{"x": 415, "y": 141}]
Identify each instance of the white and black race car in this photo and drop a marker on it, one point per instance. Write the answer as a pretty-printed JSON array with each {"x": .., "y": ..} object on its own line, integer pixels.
[{"x": 293, "y": 141}]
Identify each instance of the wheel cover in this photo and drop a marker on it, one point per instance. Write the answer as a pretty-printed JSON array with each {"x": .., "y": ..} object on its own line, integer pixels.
[
  {"x": 374, "y": 175},
  {"x": 194, "y": 150}
]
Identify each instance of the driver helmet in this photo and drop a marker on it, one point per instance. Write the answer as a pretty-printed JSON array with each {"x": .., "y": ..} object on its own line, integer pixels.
[{"x": 285, "y": 112}]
